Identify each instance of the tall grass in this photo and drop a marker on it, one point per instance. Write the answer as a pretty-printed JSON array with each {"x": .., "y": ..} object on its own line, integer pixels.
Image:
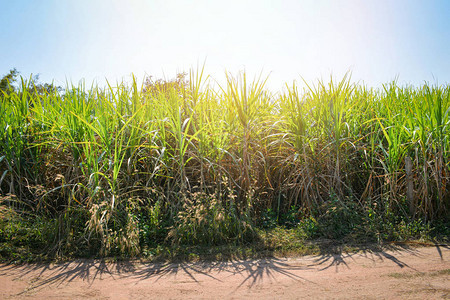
[{"x": 100, "y": 161}]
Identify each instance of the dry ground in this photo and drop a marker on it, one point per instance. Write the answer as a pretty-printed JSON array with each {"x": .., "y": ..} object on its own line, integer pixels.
[{"x": 397, "y": 273}]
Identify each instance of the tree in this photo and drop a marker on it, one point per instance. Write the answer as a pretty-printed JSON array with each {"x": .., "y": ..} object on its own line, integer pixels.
[
  {"x": 42, "y": 88},
  {"x": 33, "y": 85},
  {"x": 8, "y": 80},
  {"x": 180, "y": 84}
]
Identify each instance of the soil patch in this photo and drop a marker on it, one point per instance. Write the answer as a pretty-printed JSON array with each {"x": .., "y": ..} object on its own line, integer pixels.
[{"x": 411, "y": 273}]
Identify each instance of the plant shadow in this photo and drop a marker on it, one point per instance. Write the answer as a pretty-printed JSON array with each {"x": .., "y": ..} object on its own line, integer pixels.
[{"x": 251, "y": 271}]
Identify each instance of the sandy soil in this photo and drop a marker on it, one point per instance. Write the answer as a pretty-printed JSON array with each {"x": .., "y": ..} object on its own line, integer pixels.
[{"x": 398, "y": 273}]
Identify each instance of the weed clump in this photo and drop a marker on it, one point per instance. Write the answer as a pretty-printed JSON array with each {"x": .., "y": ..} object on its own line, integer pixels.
[{"x": 206, "y": 220}]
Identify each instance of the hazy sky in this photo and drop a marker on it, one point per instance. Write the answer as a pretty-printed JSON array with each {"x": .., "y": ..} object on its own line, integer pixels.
[{"x": 96, "y": 39}]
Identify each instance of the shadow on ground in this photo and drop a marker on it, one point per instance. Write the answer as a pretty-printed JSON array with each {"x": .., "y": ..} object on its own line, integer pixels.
[{"x": 251, "y": 270}]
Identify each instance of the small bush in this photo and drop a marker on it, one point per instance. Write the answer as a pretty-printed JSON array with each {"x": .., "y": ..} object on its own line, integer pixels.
[
  {"x": 340, "y": 218},
  {"x": 205, "y": 220},
  {"x": 308, "y": 228},
  {"x": 23, "y": 238},
  {"x": 152, "y": 226}
]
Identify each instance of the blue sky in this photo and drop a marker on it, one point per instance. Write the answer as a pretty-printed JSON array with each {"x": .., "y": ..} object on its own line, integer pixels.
[{"x": 376, "y": 40}]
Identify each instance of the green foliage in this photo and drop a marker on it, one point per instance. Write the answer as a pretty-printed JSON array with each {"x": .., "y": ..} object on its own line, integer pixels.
[
  {"x": 128, "y": 168},
  {"x": 6, "y": 83},
  {"x": 288, "y": 219},
  {"x": 22, "y": 239},
  {"x": 269, "y": 219},
  {"x": 152, "y": 227},
  {"x": 206, "y": 220},
  {"x": 308, "y": 228},
  {"x": 340, "y": 218}
]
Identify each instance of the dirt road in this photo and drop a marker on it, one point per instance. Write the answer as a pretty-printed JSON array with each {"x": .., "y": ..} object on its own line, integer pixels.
[{"x": 406, "y": 273}]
